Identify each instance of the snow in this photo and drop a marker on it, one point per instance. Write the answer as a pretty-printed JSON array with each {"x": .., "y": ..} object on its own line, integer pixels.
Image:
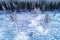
[{"x": 30, "y": 24}]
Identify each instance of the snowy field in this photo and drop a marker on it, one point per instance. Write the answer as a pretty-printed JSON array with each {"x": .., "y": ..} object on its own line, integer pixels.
[{"x": 29, "y": 26}]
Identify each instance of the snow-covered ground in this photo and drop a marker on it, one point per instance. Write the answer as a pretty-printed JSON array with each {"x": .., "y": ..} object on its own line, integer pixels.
[{"x": 30, "y": 26}]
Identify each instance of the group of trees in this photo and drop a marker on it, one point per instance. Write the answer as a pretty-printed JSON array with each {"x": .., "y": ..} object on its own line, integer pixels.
[{"x": 29, "y": 5}]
